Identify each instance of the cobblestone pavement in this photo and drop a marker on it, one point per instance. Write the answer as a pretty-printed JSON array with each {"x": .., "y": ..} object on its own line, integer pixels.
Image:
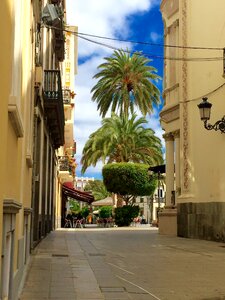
[{"x": 124, "y": 263}]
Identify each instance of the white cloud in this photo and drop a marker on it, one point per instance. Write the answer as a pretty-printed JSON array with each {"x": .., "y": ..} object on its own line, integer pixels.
[
  {"x": 155, "y": 125},
  {"x": 102, "y": 18},
  {"x": 155, "y": 37},
  {"x": 87, "y": 117}
]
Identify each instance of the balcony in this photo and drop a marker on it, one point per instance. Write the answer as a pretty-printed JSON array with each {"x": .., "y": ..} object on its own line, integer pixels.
[
  {"x": 53, "y": 106},
  {"x": 64, "y": 164},
  {"x": 67, "y": 166},
  {"x": 65, "y": 172},
  {"x": 66, "y": 96},
  {"x": 58, "y": 34},
  {"x": 59, "y": 42},
  {"x": 53, "y": 15}
]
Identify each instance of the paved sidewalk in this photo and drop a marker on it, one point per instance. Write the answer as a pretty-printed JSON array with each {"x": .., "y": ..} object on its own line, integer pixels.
[
  {"x": 61, "y": 269},
  {"x": 67, "y": 265}
]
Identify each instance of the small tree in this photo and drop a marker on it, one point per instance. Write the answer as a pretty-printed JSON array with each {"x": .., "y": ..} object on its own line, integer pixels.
[
  {"x": 85, "y": 212},
  {"x": 125, "y": 215},
  {"x": 74, "y": 206},
  {"x": 105, "y": 212},
  {"x": 98, "y": 189},
  {"x": 128, "y": 180}
]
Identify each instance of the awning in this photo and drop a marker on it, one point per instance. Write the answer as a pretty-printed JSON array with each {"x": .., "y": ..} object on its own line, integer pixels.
[
  {"x": 69, "y": 191},
  {"x": 108, "y": 201}
]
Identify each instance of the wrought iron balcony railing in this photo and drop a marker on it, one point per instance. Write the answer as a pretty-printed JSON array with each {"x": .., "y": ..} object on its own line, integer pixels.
[
  {"x": 53, "y": 105},
  {"x": 52, "y": 84}
]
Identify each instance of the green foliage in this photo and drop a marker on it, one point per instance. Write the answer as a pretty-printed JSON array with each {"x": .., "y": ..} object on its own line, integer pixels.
[
  {"x": 85, "y": 212},
  {"x": 98, "y": 189},
  {"x": 128, "y": 179},
  {"x": 122, "y": 140},
  {"x": 105, "y": 212},
  {"x": 125, "y": 215},
  {"x": 125, "y": 81},
  {"x": 74, "y": 206}
]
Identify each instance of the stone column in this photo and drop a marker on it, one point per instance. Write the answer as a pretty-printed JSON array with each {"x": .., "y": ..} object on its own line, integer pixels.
[
  {"x": 169, "y": 167},
  {"x": 168, "y": 216},
  {"x": 177, "y": 162}
]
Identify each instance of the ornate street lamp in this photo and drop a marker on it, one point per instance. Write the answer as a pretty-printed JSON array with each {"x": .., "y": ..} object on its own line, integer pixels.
[
  {"x": 205, "y": 110},
  {"x": 157, "y": 170}
]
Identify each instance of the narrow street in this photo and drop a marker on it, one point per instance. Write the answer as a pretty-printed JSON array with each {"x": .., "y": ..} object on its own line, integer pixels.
[{"x": 129, "y": 263}]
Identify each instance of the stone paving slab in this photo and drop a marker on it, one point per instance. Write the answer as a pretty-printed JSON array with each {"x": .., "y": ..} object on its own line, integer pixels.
[
  {"x": 81, "y": 266},
  {"x": 62, "y": 268}
]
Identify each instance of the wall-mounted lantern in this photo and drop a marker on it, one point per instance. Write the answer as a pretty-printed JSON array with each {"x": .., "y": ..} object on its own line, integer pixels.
[{"x": 205, "y": 110}]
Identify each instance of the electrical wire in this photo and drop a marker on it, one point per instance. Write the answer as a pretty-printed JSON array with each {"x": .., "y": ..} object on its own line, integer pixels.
[
  {"x": 85, "y": 36},
  {"x": 150, "y": 55},
  {"x": 154, "y": 55},
  {"x": 147, "y": 43},
  {"x": 207, "y": 94}
]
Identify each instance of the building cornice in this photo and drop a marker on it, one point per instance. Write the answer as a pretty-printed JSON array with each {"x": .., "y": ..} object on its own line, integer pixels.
[
  {"x": 169, "y": 114},
  {"x": 170, "y": 89},
  {"x": 11, "y": 206},
  {"x": 27, "y": 210},
  {"x": 172, "y": 7}
]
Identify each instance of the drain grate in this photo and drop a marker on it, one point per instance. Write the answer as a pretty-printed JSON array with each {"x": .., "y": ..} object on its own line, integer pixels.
[
  {"x": 112, "y": 289},
  {"x": 96, "y": 254},
  {"x": 60, "y": 255}
]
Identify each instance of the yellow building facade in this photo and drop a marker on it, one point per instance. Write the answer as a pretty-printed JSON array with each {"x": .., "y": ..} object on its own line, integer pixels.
[
  {"x": 66, "y": 153},
  {"x": 16, "y": 150},
  {"x": 193, "y": 68},
  {"x": 32, "y": 130}
]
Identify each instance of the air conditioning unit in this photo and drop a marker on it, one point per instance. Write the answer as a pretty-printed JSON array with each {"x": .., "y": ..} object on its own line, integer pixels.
[{"x": 50, "y": 15}]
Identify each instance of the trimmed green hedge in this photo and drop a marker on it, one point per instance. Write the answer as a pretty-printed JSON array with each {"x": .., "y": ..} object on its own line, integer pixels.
[
  {"x": 125, "y": 215},
  {"x": 85, "y": 212},
  {"x": 105, "y": 212},
  {"x": 128, "y": 179}
]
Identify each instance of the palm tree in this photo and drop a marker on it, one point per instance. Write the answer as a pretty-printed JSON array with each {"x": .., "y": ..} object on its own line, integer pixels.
[
  {"x": 98, "y": 189},
  {"x": 125, "y": 82},
  {"x": 122, "y": 140}
]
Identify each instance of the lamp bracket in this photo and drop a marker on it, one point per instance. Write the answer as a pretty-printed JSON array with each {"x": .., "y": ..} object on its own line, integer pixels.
[{"x": 219, "y": 125}]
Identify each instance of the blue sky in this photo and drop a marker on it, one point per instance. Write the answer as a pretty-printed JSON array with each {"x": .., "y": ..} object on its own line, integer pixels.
[{"x": 132, "y": 20}]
